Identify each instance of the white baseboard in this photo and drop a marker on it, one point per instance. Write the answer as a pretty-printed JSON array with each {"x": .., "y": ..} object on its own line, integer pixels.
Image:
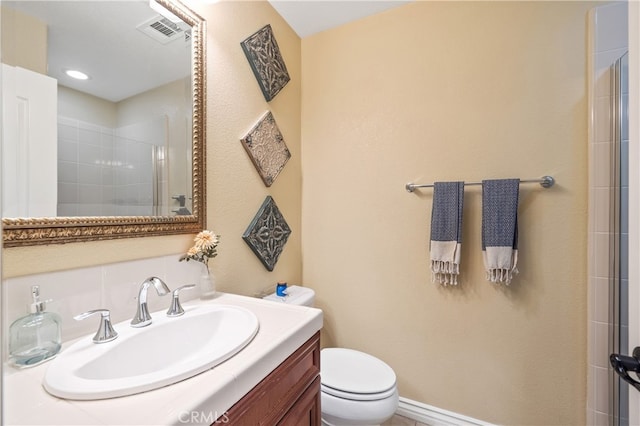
[{"x": 434, "y": 416}]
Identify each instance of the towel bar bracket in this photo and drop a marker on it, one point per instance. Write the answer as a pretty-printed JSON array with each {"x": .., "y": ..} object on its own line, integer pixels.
[{"x": 544, "y": 181}]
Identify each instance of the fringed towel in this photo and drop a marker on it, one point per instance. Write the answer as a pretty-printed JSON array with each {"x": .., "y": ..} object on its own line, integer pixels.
[
  {"x": 446, "y": 232},
  {"x": 500, "y": 229}
]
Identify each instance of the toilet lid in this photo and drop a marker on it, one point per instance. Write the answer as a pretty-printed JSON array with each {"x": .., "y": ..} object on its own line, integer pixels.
[{"x": 351, "y": 371}]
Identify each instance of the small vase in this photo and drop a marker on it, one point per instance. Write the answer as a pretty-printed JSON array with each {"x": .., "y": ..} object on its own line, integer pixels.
[{"x": 207, "y": 283}]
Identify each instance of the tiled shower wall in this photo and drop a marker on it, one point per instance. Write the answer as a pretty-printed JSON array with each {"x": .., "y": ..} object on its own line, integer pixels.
[
  {"x": 608, "y": 41},
  {"x": 103, "y": 172}
]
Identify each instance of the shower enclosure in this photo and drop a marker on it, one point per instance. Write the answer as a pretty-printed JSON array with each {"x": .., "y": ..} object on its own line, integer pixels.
[{"x": 619, "y": 247}]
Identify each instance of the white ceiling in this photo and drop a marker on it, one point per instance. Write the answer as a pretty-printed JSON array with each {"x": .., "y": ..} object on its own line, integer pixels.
[
  {"x": 98, "y": 38},
  {"x": 308, "y": 17}
]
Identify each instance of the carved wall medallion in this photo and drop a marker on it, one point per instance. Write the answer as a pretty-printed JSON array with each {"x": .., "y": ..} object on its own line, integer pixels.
[
  {"x": 266, "y": 148},
  {"x": 268, "y": 233},
  {"x": 266, "y": 61}
]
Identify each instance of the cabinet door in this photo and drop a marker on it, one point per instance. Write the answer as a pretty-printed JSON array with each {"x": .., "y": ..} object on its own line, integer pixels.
[
  {"x": 29, "y": 143},
  {"x": 306, "y": 411},
  {"x": 278, "y": 394}
]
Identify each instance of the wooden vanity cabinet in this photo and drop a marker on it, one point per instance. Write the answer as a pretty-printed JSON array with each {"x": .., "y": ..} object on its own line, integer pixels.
[{"x": 288, "y": 396}]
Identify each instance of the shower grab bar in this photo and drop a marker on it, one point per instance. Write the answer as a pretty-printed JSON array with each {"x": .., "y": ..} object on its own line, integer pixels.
[{"x": 544, "y": 181}]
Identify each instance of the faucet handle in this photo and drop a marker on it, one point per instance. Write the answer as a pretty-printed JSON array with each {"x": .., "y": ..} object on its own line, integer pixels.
[
  {"x": 175, "y": 310},
  {"x": 105, "y": 332}
]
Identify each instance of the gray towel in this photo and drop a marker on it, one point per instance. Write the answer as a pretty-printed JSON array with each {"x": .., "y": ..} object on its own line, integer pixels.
[
  {"x": 446, "y": 231},
  {"x": 500, "y": 228}
]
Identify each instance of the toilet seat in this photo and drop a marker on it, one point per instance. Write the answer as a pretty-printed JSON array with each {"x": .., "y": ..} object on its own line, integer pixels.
[
  {"x": 357, "y": 396},
  {"x": 355, "y": 375}
]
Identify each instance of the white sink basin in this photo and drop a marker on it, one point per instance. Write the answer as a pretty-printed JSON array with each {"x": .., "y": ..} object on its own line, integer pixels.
[{"x": 141, "y": 359}]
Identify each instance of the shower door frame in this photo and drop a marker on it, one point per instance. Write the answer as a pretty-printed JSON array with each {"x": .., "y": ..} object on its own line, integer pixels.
[
  {"x": 634, "y": 192},
  {"x": 619, "y": 245}
]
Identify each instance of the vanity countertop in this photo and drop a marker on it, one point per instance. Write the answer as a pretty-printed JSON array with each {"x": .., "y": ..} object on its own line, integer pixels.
[{"x": 197, "y": 400}]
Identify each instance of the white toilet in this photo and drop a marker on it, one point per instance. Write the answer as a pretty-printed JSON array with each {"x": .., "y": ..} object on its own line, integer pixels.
[{"x": 357, "y": 389}]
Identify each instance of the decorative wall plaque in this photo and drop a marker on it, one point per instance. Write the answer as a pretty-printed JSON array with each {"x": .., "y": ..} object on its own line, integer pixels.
[
  {"x": 266, "y": 148},
  {"x": 268, "y": 233},
  {"x": 266, "y": 61}
]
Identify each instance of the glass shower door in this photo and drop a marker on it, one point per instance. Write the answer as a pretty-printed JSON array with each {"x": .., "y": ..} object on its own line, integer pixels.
[{"x": 627, "y": 366}]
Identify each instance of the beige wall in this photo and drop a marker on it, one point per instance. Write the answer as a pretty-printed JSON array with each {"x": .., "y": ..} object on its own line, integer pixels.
[
  {"x": 436, "y": 91},
  {"x": 429, "y": 91},
  {"x": 235, "y": 191},
  {"x": 84, "y": 107},
  {"x": 24, "y": 41}
]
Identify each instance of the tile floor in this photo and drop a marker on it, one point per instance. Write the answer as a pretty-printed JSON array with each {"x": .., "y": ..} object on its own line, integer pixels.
[{"x": 397, "y": 420}]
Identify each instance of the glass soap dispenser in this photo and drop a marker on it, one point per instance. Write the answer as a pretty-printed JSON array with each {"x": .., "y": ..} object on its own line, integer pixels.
[{"x": 36, "y": 337}]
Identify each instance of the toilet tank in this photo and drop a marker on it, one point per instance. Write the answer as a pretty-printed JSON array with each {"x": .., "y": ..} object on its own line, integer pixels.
[{"x": 296, "y": 295}]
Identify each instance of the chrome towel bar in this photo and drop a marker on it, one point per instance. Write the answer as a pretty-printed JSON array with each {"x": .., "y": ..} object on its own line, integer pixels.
[{"x": 544, "y": 181}]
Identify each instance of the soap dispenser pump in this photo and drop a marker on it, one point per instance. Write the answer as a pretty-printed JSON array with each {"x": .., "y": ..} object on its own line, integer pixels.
[{"x": 35, "y": 337}]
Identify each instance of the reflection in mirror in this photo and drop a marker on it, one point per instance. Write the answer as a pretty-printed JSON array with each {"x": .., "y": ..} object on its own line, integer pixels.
[{"x": 102, "y": 119}]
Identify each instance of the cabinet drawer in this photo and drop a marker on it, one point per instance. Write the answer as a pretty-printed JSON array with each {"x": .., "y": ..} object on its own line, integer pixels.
[{"x": 276, "y": 394}]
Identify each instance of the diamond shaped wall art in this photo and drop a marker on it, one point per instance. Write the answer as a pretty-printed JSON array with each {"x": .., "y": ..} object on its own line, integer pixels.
[
  {"x": 266, "y": 61},
  {"x": 267, "y": 234},
  {"x": 266, "y": 148}
]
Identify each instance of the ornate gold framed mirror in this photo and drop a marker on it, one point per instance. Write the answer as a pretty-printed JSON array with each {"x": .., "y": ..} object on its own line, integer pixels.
[{"x": 163, "y": 208}]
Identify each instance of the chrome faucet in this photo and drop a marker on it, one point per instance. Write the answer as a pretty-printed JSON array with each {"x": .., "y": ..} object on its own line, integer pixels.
[
  {"x": 105, "y": 332},
  {"x": 175, "y": 310},
  {"x": 143, "y": 318}
]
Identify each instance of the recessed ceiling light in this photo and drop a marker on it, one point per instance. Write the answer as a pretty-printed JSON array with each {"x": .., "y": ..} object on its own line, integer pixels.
[{"x": 78, "y": 75}]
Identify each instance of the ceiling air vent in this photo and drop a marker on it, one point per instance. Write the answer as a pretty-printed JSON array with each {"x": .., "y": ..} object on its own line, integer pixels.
[{"x": 162, "y": 30}]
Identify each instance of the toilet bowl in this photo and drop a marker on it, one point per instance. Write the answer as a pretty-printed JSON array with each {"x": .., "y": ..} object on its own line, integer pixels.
[{"x": 357, "y": 389}]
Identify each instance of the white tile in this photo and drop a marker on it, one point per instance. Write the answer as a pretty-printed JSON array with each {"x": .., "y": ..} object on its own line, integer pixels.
[
  {"x": 602, "y": 76},
  {"x": 601, "y": 210},
  {"x": 73, "y": 292},
  {"x": 90, "y": 194},
  {"x": 591, "y": 339},
  {"x": 601, "y": 302},
  {"x": 602, "y": 390},
  {"x": 89, "y": 154},
  {"x": 611, "y": 27},
  {"x": 601, "y": 419},
  {"x": 591, "y": 394},
  {"x": 603, "y": 120},
  {"x": 90, "y": 174},
  {"x": 183, "y": 273},
  {"x": 106, "y": 176},
  {"x": 67, "y": 209},
  {"x": 67, "y": 171},
  {"x": 67, "y": 150},
  {"x": 89, "y": 136},
  {"x": 601, "y": 358},
  {"x": 22, "y": 410},
  {"x": 68, "y": 131},
  {"x": 590, "y": 417},
  {"x": 122, "y": 282},
  {"x": 601, "y": 254},
  {"x": 67, "y": 193},
  {"x": 602, "y": 164},
  {"x": 89, "y": 209},
  {"x": 67, "y": 121}
]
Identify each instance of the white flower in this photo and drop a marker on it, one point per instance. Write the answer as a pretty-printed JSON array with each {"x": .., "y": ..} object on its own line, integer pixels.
[
  {"x": 205, "y": 248},
  {"x": 206, "y": 240}
]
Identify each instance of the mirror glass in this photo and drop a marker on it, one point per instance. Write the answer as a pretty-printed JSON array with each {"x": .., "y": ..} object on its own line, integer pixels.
[{"x": 102, "y": 118}]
